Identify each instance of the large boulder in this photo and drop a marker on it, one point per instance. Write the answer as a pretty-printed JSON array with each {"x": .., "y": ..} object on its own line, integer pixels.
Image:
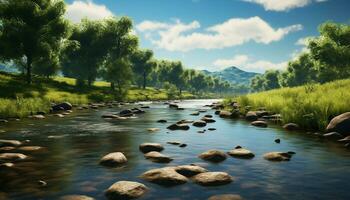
[
  {"x": 76, "y": 197},
  {"x": 190, "y": 170},
  {"x": 241, "y": 153},
  {"x": 124, "y": 190},
  {"x": 251, "y": 116},
  {"x": 178, "y": 127},
  {"x": 10, "y": 143},
  {"x": 12, "y": 156},
  {"x": 148, "y": 147},
  {"x": 291, "y": 127},
  {"x": 226, "y": 197},
  {"x": 213, "y": 155},
  {"x": 113, "y": 159},
  {"x": 62, "y": 106},
  {"x": 340, "y": 124},
  {"x": 262, "y": 124},
  {"x": 155, "y": 156},
  {"x": 213, "y": 178},
  {"x": 199, "y": 123},
  {"x": 164, "y": 176},
  {"x": 278, "y": 156}
]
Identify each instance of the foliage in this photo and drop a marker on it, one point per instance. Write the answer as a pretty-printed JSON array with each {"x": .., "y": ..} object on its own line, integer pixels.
[{"x": 311, "y": 106}]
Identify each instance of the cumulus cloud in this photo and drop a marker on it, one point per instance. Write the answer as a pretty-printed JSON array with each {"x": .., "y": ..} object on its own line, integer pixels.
[
  {"x": 283, "y": 5},
  {"x": 86, "y": 9},
  {"x": 178, "y": 36},
  {"x": 246, "y": 63}
]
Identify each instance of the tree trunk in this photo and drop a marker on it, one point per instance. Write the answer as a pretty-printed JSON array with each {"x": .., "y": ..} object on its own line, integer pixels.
[
  {"x": 29, "y": 69},
  {"x": 144, "y": 80},
  {"x": 112, "y": 86}
]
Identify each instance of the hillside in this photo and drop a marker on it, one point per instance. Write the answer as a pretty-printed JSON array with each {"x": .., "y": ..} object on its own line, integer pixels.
[
  {"x": 310, "y": 106},
  {"x": 233, "y": 75}
]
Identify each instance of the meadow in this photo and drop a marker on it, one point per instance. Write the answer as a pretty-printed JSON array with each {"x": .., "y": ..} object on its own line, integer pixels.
[
  {"x": 18, "y": 99},
  {"x": 311, "y": 106}
]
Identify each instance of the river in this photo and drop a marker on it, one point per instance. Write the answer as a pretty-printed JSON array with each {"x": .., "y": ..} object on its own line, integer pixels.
[{"x": 74, "y": 144}]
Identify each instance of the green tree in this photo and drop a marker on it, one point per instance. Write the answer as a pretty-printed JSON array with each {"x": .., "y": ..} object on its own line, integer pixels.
[
  {"x": 143, "y": 63},
  {"x": 31, "y": 30},
  {"x": 270, "y": 79},
  {"x": 257, "y": 83}
]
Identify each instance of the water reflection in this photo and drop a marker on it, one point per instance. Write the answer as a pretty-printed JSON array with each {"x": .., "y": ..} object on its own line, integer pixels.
[{"x": 74, "y": 145}]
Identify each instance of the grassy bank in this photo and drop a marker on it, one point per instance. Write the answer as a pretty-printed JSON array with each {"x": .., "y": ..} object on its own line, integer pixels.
[
  {"x": 17, "y": 99},
  {"x": 310, "y": 106}
]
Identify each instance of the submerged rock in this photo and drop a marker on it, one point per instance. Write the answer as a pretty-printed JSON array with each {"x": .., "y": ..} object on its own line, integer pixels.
[
  {"x": 162, "y": 121},
  {"x": 155, "y": 156},
  {"x": 211, "y": 129},
  {"x": 213, "y": 156},
  {"x": 340, "y": 124},
  {"x": 278, "y": 141},
  {"x": 178, "y": 127},
  {"x": 212, "y": 178},
  {"x": 208, "y": 120},
  {"x": 113, "y": 159},
  {"x": 183, "y": 145},
  {"x": 164, "y": 176},
  {"x": 226, "y": 197},
  {"x": 172, "y": 105},
  {"x": 291, "y": 127},
  {"x": 190, "y": 170},
  {"x": 262, "y": 124},
  {"x": 148, "y": 147},
  {"x": 241, "y": 153},
  {"x": 195, "y": 113},
  {"x": 174, "y": 142},
  {"x": 124, "y": 190},
  {"x": 277, "y": 156}
]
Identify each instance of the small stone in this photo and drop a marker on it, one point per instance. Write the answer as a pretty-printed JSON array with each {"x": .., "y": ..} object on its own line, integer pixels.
[
  {"x": 178, "y": 127},
  {"x": 208, "y": 120},
  {"x": 38, "y": 117},
  {"x": 42, "y": 183},
  {"x": 211, "y": 129},
  {"x": 10, "y": 143},
  {"x": 164, "y": 176},
  {"x": 153, "y": 129},
  {"x": 162, "y": 121},
  {"x": 277, "y": 156},
  {"x": 174, "y": 142},
  {"x": 213, "y": 156},
  {"x": 183, "y": 145},
  {"x": 199, "y": 123},
  {"x": 195, "y": 113},
  {"x": 262, "y": 124},
  {"x": 155, "y": 156},
  {"x": 30, "y": 148},
  {"x": 291, "y": 127},
  {"x": 278, "y": 141},
  {"x": 241, "y": 153},
  {"x": 12, "y": 156}
]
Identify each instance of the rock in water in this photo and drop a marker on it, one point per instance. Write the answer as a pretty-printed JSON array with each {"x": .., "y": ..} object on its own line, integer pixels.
[
  {"x": 199, "y": 123},
  {"x": 225, "y": 114},
  {"x": 76, "y": 197},
  {"x": 62, "y": 106},
  {"x": 213, "y": 178},
  {"x": 340, "y": 124},
  {"x": 148, "y": 147},
  {"x": 291, "y": 127},
  {"x": 164, "y": 176},
  {"x": 12, "y": 156},
  {"x": 241, "y": 153},
  {"x": 178, "y": 127},
  {"x": 226, "y": 197},
  {"x": 262, "y": 124},
  {"x": 251, "y": 116},
  {"x": 162, "y": 121},
  {"x": 10, "y": 143},
  {"x": 113, "y": 159},
  {"x": 213, "y": 156},
  {"x": 333, "y": 136},
  {"x": 158, "y": 157},
  {"x": 190, "y": 170},
  {"x": 277, "y": 156},
  {"x": 208, "y": 120},
  {"x": 124, "y": 190}
]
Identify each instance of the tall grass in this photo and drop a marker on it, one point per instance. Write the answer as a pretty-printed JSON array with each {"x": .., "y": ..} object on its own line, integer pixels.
[
  {"x": 311, "y": 106},
  {"x": 22, "y": 107}
]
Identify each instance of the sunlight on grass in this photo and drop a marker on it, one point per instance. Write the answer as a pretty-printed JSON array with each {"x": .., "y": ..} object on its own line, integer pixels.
[{"x": 310, "y": 106}]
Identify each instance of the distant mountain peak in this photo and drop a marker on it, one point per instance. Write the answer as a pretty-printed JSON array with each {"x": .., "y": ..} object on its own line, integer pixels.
[{"x": 232, "y": 74}]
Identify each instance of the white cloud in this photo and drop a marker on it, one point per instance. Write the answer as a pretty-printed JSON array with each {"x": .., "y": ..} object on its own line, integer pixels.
[
  {"x": 86, "y": 9},
  {"x": 179, "y": 36},
  {"x": 246, "y": 63},
  {"x": 283, "y": 5}
]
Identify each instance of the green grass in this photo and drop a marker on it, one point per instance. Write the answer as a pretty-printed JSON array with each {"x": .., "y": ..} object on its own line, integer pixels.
[
  {"x": 310, "y": 106},
  {"x": 17, "y": 99}
]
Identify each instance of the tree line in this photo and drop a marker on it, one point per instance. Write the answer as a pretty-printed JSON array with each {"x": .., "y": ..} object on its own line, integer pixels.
[
  {"x": 327, "y": 58},
  {"x": 37, "y": 39}
]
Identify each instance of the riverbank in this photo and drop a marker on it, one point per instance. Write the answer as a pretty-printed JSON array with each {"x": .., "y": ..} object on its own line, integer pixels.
[
  {"x": 17, "y": 99},
  {"x": 310, "y": 106}
]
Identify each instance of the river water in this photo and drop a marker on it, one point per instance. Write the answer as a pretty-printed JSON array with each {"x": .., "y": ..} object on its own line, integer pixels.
[{"x": 74, "y": 145}]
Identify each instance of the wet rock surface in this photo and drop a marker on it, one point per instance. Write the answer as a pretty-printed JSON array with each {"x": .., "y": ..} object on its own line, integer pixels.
[{"x": 125, "y": 190}]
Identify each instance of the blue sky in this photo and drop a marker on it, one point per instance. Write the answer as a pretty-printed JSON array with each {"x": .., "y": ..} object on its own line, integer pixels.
[{"x": 254, "y": 35}]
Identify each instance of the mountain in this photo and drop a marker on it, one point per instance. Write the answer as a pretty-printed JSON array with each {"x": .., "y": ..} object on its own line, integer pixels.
[{"x": 233, "y": 75}]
